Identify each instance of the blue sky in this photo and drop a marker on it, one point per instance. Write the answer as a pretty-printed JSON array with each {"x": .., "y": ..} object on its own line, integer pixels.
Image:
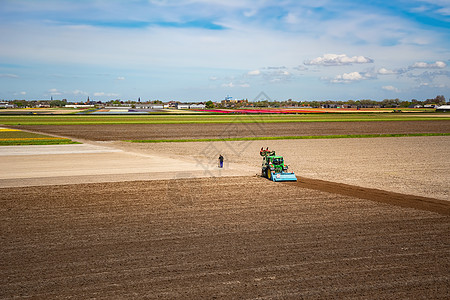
[{"x": 197, "y": 50}]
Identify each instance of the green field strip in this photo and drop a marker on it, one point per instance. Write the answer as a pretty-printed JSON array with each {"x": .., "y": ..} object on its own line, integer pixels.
[
  {"x": 208, "y": 119},
  {"x": 37, "y": 142},
  {"x": 344, "y": 136},
  {"x": 17, "y": 137}
]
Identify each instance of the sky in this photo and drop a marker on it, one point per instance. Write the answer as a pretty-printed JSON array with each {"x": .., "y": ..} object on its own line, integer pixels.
[{"x": 199, "y": 50}]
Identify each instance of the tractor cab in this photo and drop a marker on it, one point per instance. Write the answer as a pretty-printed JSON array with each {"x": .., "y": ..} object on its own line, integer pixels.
[{"x": 277, "y": 160}]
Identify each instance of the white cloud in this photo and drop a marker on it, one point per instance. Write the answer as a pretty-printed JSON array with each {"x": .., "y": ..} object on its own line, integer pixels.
[
  {"x": 100, "y": 94},
  {"x": 232, "y": 85},
  {"x": 120, "y": 78},
  {"x": 254, "y": 73},
  {"x": 351, "y": 77},
  {"x": 228, "y": 85},
  {"x": 250, "y": 13},
  {"x": 9, "y": 75},
  {"x": 300, "y": 68},
  {"x": 390, "y": 88},
  {"x": 54, "y": 92},
  {"x": 444, "y": 11},
  {"x": 23, "y": 93},
  {"x": 276, "y": 68},
  {"x": 292, "y": 19},
  {"x": 384, "y": 71},
  {"x": 79, "y": 92},
  {"x": 338, "y": 60},
  {"x": 423, "y": 65}
]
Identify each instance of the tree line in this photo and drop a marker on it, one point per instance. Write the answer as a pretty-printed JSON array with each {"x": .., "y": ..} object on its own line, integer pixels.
[{"x": 364, "y": 103}]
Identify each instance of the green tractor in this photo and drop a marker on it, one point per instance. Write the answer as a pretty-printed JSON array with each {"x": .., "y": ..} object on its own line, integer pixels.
[{"x": 273, "y": 167}]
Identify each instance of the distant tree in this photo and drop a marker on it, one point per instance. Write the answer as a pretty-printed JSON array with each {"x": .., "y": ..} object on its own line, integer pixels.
[
  {"x": 405, "y": 104},
  {"x": 274, "y": 104},
  {"x": 314, "y": 104},
  {"x": 440, "y": 99},
  {"x": 20, "y": 103},
  {"x": 263, "y": 103},
  {"x": 391, "y": 103},
  {"x": 367, "y": 103},
  {"x": 58, "y": 103},
  {"x": 209, "y": 104}
]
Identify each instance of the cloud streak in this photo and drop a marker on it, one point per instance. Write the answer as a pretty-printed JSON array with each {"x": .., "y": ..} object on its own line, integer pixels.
[
  {"x": 351, "y": 77},
  {"x": 338, "y": 60},
  {"x": 9, "y": 76},
  {"x": 424, "y": 65}
]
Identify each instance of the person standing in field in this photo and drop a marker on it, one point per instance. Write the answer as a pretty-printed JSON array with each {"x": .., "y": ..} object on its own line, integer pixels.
[{"x": 220, "y": 161}]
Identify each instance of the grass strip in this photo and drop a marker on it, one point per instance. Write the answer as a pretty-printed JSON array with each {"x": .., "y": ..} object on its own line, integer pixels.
[
  {"x": 23, "y": 142},
  {"x": 17, "y": 137},
  {"x": 31, "y": 139},
  {"x": 343, "y": 136}
]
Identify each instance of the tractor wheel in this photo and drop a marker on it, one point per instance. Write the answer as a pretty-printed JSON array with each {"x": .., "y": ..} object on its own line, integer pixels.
[{"x": 269, "y": 175}]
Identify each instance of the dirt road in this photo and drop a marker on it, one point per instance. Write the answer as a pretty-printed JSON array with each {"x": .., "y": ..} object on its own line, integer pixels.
[
  {"x": 408, "y": 165},
  {"x": 68, "y": 164},
  {"x": 223, "y": 238}
]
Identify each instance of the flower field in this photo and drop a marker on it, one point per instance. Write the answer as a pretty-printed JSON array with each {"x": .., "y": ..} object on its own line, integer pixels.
[{"x": 11, "y": 137}]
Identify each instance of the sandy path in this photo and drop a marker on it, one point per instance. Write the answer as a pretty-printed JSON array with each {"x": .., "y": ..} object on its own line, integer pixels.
[
  {"x": 409, "y": 165},
  {"x": 68, "y": 164}
]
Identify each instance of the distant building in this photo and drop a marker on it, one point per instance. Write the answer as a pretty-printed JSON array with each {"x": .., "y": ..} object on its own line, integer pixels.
[
  {"x": 6, "y": 105},
  {"x": 183, "y": 106},
  {"x": 443, "y": 108},
  {"x": 172, "y": 104},
  {"x": 197, "y": 106},
  {"x": 79, "y": 105}
]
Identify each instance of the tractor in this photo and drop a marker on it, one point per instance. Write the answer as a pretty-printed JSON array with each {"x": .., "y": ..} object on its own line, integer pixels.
[{"x": 273, "y": 167}]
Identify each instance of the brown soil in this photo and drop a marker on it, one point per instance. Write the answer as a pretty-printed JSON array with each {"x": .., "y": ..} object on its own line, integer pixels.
[
  {"x": 228, "y": 238},
  {"x": 196, "y": 131},
  {"x": 404, "y": 200}
]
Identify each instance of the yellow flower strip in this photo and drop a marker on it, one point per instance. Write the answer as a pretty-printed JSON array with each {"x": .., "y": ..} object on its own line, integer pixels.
[{"x": 7, "y": 129}]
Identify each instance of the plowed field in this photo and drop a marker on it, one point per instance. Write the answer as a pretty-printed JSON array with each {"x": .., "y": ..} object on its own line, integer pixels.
[
  {"x": 227, "y": 238},
  {"x": 228, "y": 130},
  {"x": 382, "y": 232}
]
